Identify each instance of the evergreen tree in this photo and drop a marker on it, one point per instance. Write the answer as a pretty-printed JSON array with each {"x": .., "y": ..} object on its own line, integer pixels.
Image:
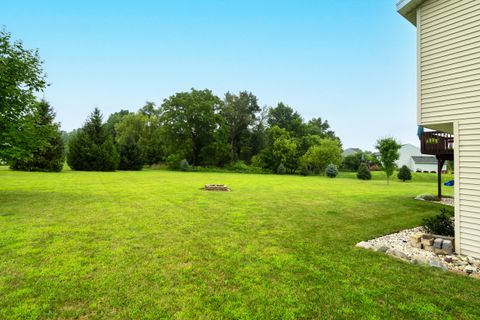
[
  {"x": 363, "y": 172},
  {"x": 184, "y": 166},
  {"x": 92, "y": 148},
  {"x": 404, "y": 174},
  {"x": 50, "y": 156},
  {"x": 331, "y": 171},
  {"x": 130, "y": 155}
]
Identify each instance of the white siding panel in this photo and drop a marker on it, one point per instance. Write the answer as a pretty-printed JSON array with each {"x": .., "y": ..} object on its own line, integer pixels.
[{"x": 468, "y": 147}]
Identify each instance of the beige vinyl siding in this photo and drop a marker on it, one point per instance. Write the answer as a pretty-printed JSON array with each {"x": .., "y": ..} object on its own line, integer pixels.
[
  {"x": 449, "y": 92},
  {"x": 449, "y": 60},
  {"x": 468, "y": 147}
]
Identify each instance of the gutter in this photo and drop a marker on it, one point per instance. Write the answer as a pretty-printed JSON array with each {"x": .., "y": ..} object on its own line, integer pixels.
[{"x": 408, "y": 9}]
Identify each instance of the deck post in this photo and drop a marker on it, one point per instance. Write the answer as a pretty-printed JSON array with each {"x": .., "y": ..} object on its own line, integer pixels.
[{"x": 440, "y": 162}]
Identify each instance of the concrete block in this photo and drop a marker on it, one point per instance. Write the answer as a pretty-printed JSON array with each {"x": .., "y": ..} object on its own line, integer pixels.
[
  {"x": 437, "y": 244},
  {"x": 447, "y": 246}
]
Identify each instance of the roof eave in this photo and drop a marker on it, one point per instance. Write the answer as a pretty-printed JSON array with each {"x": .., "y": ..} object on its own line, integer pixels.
[{"x": 407, "y": 8}]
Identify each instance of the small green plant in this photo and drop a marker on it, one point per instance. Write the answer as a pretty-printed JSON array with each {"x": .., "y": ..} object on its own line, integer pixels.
[
  {"x": 184, "y": 166},
  {"x": 240, "y": 166},
  {"x": 281, "y": 169},
  {"x": 331, "y": 171},
  {"x": 173, "y": 161},
  {"x": 304, "y": 170},
  {"x": 363, "y": 172},
  {"x": 404, "y": 174},
  {"x": 432, "y": 141},
  {"x": 441, "y": 224}
]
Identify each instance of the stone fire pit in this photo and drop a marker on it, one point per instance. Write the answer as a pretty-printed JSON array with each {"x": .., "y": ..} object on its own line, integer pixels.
[{"x": 216, "y": 187}]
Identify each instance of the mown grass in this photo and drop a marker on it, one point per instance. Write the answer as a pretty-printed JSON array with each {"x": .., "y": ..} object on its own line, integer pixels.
[{"x": 151, "y": 245}]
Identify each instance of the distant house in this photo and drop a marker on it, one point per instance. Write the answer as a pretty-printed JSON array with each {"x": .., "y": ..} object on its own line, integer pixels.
[
  {"x": 425, "y": 164},
  {"x": 412, "y": 157},
  {"x": 350, "y": 151}
]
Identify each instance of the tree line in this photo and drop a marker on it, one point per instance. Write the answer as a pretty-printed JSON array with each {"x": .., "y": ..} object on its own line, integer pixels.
[{"x": 205, "y": 130}]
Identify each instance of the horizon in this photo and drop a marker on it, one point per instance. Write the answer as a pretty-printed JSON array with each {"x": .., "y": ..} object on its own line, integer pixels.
[{"x": 118, "y": 55}]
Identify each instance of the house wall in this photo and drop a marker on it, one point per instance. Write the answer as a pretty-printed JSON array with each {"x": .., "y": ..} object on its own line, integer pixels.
[
  {"x": 425, "y": 167},
  {"x": 406, "y": 152},
  {"x": 449, "y": 92},
  {"x": 449, "y": 61}
]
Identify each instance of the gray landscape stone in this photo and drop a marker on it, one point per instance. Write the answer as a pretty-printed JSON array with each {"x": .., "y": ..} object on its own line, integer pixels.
[
  {"x": 397, "y": 254},
  {"x": 383, "y": 249},
  {"x": 419, "y": 259},
  {"x": 447, "y": 246},
  {"x": 470, "y": 269},
  {"x": 437, "y": 244},
  {"x": 438, "y": 264}
]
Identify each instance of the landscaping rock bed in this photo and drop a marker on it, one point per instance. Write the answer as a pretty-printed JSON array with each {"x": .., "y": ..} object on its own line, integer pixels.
[
  {"x": 446, "y": 200},
  {"x": 417, "y": 247},
  {"x": 216, "y": 187}
]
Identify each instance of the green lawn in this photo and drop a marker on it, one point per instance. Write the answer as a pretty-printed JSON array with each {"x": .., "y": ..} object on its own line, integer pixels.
[{"x": 151, "y": 244}]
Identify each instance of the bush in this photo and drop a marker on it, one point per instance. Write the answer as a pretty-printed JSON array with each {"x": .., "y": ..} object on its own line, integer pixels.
[
  {"x": 173, "y": 161},
  {"x": 331, "y": 171},
  {"x": 258, "y": 161},
  {"x": 240, "y": 166},
  {"x": 441, "y": 224},
  {"x": 184, "y": 166},
  {"x": 404, "y": 174},
  {"x": 304, "y": 170},
  {"x": 363, "y": 172},
  {"x": 281, "y": 169}
]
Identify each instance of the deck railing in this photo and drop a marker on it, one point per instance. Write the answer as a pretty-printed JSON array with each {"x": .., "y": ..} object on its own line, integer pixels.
[{"x": 437, "y": 143}]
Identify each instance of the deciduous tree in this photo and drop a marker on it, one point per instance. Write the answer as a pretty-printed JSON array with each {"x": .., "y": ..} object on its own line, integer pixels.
[
  {"x": 240, "y": 114},
  {"x": 388, "y": 148},
  {"x": 21, "y": 76},
  {"x": 318, "y": 157},
  {"x": 50, "y": 156},
  {"x": 190, "y": 120}
]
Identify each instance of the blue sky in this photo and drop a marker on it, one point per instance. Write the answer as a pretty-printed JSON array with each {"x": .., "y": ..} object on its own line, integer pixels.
[{"x": 352, "y": 62}]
